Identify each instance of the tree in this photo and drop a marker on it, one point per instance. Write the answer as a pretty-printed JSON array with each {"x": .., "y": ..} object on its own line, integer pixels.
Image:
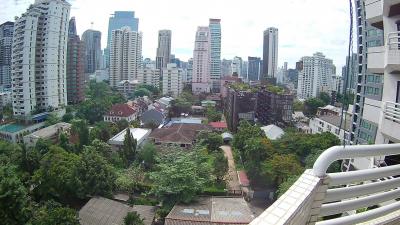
[
  {"x": 213, "y": 141},
  {"x": 96, "y": 174},
  {"x": 102, "y": 148},
  {"x": 311, "y": 106},
  {"x": 52, "y": 212},
  {"x": 281, "y": 167},
  {"x": 52, "y": 119},
  {"x": 148, "y": 155},
  {"x": 122, "y": 124},
  {"x": 14, "y": 199},
  {"x": 102, "y": 131},
  {"x": 213, "y": 115},
  {"x": 67, "y": 117},
  {"x": 245, "y": 132},
  {"x": 220, "y": 166},
  {"x": 255, "y": 152},
  {"x": 129, "y": 148},
  {"x": 64, "y": 142},
  {"x": 180, "y": 176},
  {"x": 42, "y": 146},
  {"x": 57, "y": 176},
  {"x": 140, "y": 92},
  {"x": 325, "y": 98},
  {"x": 133, "y": 218},
  {"x": 298, "y": 105},
  {"x": 80, "y": 129},
  {"x": 128, "y": 179}
]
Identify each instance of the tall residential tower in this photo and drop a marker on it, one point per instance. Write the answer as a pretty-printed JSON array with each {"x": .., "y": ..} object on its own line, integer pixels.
[
  {"x": 270, "y": 53},
  {"x": 6, "y": 34},
  {"x": 93, "y": 54},
  {"x": 39, "y": 58},
  {"x": 215, "y": 67},
  {"x": 201, "y": 61},
  {"x": 163, "y": 56}
]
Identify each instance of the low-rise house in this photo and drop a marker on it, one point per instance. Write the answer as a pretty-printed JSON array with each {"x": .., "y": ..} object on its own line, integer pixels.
[
  {"x": 273, "y": 132},
  {"x": 127, "y": 87},
  {"x": 332, "y": 124},
  {"x": 139, "y": 134},
  {"x": 50, "y": 133},
  {"x": 183, "y": 135},
  {"x": 103, "y": 211},
  {"x": 15, "y": 132},
  {"x": 121, "y": 112},
  {"x": 211, "y": 211},
  {"x": 218, "y": 126},
  {"x": 153, "y": 116}
]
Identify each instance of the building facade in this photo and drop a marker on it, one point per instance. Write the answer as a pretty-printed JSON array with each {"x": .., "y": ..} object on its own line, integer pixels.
[
  {"x": 201, "y": 82},
  {"x": 163, "y": 56},
  {"x": 6, "y": 35},
  {"x": 117, "y": 21},
  {"x": 172, "y": 80},
  {"x": 349, "y": 73},
  {"x": 215, "y": 67},
  {"x": 125, "y": 55},
  {"x": 93, "y": 53},
  {"x": 270, "y": 53},
  {"x": 149, "y": 75},
  {"x": 226, "y": 68},
  {"x": 236, "y": 65},
  {"x": 39, "y": 80},
  {"x": 75, "y": 70},
  {"x": 315, "y": 76},
  {"x": 369, "y": 84},
  {"x": 253, "y": 73}
]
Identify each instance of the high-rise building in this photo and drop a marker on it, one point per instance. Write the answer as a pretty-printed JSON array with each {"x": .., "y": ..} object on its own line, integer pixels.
[
  {"x": 163, "y": 56},
  {"x": 172, "y": 80},
  {"x": 226, "y": 68},
  {"x": 215, "y": 69},
  {"x": 39, "y": 58},
  {"x": 245, "y": 68},
  {"x": 349, "y": 73},
  {"x": 75, "y": 70},
  {"x": 93, "y": 55},
  {"x": 315, "y": 76},
  {"x": 125, "y": 55},
  {"x": 270, "y": 53},
  {"x": 337, "y": 84},
  {"x": 189, "y": 70},
  {"x": 369, "y": 85},
  {"x": 118, "y": 20},
  {"x": 201, "y": 61},
  {"x": 149, "y": 75},
  {"x": 237, "y": 64},
  {"x": 6, "y": 34},
  {"x": 254, "y": 68}
]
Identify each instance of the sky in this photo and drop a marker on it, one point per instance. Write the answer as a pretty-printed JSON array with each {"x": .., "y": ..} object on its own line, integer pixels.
[{"x": 305, "y": 26}]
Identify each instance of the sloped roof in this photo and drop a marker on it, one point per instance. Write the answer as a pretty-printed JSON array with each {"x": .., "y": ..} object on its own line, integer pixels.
[
  {"x": 178, "y": 133},
  {"x": 103, "y": 211},
  {"x": 217, "y": 125},
  {"x": 273, "y": 132},
  {"x": 121, "y": 110}
]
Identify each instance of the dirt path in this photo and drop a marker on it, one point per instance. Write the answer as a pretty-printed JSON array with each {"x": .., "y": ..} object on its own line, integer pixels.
[{"x": 233, "y": 182}]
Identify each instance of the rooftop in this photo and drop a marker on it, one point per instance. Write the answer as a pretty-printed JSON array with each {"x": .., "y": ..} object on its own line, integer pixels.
[
  {"x": 335, "y": 120},
  {"x": 102, "y": 211},
  {"x": 273, "y": 132},
  {"x": 138, "y": 133},
  {"x": 210, "y": 211},
  {"x": 50, "y": 130},
  {"x": 121, "y": 110},
  {"x": 189, "y": 120},
  {"x": 178, "y": 133},
  {"x": 217, "y": 125}
]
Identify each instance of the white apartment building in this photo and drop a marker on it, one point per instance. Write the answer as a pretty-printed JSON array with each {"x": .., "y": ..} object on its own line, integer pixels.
[
  {"x": 315, "y": 76},
  {"x": 5, "y": 98},
  {"x": 125, "y": 55},
  {"x": 39, "y": 57},
  {"x": 236, "y": 66},
  {"x": 337, "y": 84},
  {"x": 201, "y": 61},
  {"x": 172, "y": 80},
  {"x": 149, "y": 75},
  {"x": 127, "y": 87}
]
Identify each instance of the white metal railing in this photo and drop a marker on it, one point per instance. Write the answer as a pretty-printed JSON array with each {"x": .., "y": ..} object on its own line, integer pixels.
[
  {"x": 392, "y": 111},
  {"x": 359, "y": 189},
  {"x": 393, "y": 40}
]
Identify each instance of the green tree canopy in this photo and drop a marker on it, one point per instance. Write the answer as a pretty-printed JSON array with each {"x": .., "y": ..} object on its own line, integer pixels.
[
  {"x": 281, "y": 167},
  {"x": 212, "y": 140},
  {"x": 148, "y": 154},
  {"x": 122, "y": 124},
  {"x": 325, "y": 97},
  {"x": 133, "y": 218},
  {"x": 52, "y": 119},
  {"x": 245, "y": 132},
  {"x": 80, "y": 129},
  {"x": 311, "y": 106},
  {"x": 140, "y": 92},
  {"x": 212, "y": 114},
  {"x": 128, "y": 153},
  {"x": 52, "y": 212},
  {"x": 220, "y": 166}
]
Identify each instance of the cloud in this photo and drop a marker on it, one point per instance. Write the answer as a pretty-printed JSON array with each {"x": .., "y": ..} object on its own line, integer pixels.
[{"x": 305, "y": 26}]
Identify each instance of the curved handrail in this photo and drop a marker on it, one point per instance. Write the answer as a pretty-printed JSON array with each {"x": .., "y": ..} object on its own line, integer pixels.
[{"x": 356, "y": 151}]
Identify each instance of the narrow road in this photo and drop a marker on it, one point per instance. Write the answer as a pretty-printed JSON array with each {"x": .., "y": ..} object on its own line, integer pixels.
[{"x": 233, "y": 182}]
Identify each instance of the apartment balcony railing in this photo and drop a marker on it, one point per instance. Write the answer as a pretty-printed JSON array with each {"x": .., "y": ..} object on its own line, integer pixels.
[
  {"x": 393, "y": 52},
  {"x": 392, "y": 111},
  {"x": 363, "y": 196}
]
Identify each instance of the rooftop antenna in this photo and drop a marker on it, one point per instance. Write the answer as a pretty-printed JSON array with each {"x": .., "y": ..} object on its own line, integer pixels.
[{"x": 91, "y": 25}]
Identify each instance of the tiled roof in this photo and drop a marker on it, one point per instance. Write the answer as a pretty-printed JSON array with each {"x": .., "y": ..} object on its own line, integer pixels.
[
  {"x": 178, "y": 133},
  {"x": 103, "y": 211},
  {"x": 244, "y": 181},
  {"x": 218, "y": 125},
  {"x": 121, "y": 110}
]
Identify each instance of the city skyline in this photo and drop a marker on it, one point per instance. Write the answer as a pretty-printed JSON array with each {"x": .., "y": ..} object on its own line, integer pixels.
[{"x": 299, "y": 35}]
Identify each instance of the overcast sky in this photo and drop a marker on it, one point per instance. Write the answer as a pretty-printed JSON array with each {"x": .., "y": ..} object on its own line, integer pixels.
[{"x": 305, "y": 26}]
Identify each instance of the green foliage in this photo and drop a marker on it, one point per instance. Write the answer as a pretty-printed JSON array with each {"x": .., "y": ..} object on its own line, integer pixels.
[
  {"x": 281, "y": 167},
  {"x": 64, "y": 142},
  {"x": 325, "y": 98},
  {"x": 245, "y": 132},
  {"x": 298, "y": 106},
  {"x": 311, "y": 106},
  {"x": 128, "y": 153},
  {"x": 14, "y": 200},
  {"x": 102, "y": 131},
  {"x": 211, "y": 140},
  {"x": 52, "y": 119},
  {"x": 51, "y": 213},
  {"x": 182, "y": 104},
  {"x": 140, "y": 92},
  {"x": 102, "y": 148},
  {"x": 130, "y": 179},
  {"x": 10, "y": 154},
  {"x": 180, "y": 176},
  {"x": 133, "y": 218},
  {"x": 57, "y": 176},
  {"x": 255, "y": 152},
  {"x": 346, "y": 99},
  {"x": 220, "y": 166},
  {"x": 42, "y": 146},
  {"x": 80, "y": 129},
  {"x": 148, "y": 154},
  {"x": 67, "y": 117},
  {"x": 275, "y": 89},
  {"x": 122, "y": 124},
  {"x": 212, "y": 114},
  {"x": 95, "y": 173}
]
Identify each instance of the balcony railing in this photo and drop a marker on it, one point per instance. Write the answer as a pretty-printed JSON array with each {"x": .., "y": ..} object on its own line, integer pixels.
[
  {"x": 347, "y": 198},
  {"x": 392, "y": 111},
  {"x": 393, "y": 52}
]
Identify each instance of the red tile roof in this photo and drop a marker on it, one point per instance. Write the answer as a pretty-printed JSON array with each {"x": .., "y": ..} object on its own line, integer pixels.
[
  {"x": 218, "y": 125},
  {"x": 121, "y": 110},
  {"x": 243, "y": 180}
]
